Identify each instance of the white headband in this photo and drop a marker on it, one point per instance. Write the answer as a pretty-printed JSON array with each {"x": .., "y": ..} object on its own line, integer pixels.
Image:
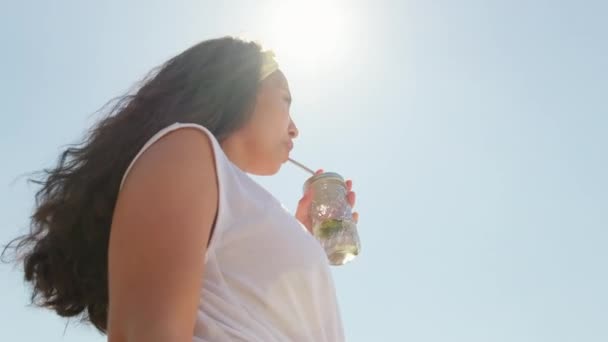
[{"x": 269, "y": 64}]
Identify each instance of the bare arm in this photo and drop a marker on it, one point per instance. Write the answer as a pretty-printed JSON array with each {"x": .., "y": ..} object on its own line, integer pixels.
[{"x": 161, "y": 226}]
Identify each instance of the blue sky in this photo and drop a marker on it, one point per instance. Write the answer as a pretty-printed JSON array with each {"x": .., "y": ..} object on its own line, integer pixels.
[{"x": 475, "y": 133}]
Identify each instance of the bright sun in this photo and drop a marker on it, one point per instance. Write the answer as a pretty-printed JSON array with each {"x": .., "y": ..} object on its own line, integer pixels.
[{"x": 307, "y": 34}]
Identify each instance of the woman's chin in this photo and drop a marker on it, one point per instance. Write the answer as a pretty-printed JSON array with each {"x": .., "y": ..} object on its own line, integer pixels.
[{"x": 268, "y": 170}]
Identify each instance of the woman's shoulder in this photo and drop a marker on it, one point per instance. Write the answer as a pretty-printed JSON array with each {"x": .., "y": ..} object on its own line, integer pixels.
[{"x": 161, "y": 224}]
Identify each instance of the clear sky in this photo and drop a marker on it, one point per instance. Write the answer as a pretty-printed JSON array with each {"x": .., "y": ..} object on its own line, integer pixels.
[{"x": 476, "y": 134}]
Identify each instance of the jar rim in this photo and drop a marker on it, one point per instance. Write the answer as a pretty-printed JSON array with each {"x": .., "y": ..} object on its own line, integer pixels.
[{"x": 324, "y": 175}]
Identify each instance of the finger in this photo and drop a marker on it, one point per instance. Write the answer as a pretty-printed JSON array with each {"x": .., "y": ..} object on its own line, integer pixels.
[
  {"x": 307, "y": 197},
  {"x": 319, "y": 171},
  {"x": 356, "y": 217},
  {"x": 349, "y": 185},
  {"x": 351, "y": 198},
  {"x": 309, "y": 194}
]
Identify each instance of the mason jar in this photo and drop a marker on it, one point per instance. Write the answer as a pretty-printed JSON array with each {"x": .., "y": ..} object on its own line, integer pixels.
[{"x": 332, "y": 218}]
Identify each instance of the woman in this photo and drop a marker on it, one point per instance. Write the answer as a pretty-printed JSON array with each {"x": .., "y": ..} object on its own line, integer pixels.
[{"x": 152, "y": 229}]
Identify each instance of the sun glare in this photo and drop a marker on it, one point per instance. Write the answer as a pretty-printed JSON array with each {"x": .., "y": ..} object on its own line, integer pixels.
[{"x": 306, "y": 34}]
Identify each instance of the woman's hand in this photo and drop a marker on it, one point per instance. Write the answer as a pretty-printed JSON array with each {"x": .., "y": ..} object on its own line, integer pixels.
[{"x": 303, "y": 214}]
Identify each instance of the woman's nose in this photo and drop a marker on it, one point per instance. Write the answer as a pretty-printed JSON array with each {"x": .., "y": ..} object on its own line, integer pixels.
[{"x": 293, "y": 130}]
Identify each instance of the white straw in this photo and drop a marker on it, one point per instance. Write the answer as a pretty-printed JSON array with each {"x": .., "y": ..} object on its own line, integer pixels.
[{"x": 302, "y": 166}]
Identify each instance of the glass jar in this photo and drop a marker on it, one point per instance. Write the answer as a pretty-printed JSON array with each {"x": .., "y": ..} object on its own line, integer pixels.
[{"x": 332, "y": 219}]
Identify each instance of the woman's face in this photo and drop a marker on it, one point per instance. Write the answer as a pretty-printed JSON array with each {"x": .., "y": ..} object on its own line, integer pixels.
[{"x": 264, "y": 143}]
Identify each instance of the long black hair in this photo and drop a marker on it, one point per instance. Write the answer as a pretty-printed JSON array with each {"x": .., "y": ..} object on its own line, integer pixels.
[{"x": 64, "y": 255}]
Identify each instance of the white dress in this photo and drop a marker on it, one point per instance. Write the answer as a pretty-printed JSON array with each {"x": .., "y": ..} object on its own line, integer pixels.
[{"x": 266, "y": 278}]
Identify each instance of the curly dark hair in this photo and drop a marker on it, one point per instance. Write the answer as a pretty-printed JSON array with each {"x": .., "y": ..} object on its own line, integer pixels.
[{"x": 64, "y": 255}]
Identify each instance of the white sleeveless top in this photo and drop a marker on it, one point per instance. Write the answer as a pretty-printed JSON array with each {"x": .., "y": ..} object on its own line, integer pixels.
[{"x": 266, "y": 277}]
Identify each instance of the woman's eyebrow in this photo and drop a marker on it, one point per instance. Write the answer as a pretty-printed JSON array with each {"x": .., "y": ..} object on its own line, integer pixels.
[{"x": 286, "y": 90}]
